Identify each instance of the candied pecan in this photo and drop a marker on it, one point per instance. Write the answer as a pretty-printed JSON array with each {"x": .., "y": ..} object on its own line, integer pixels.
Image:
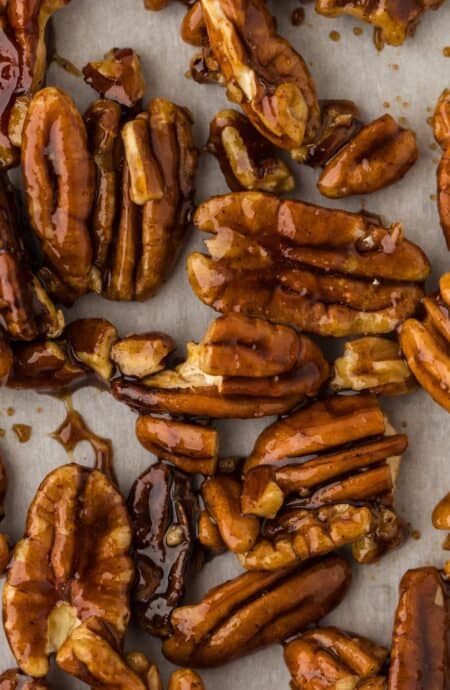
[
  {"x": 393, "y": 20},
  {"x": 344, "y": 494},
  {"x": 441, "y": 513},
  {"x": 90, "y": 342},
  {"x": 142, "y": 354},
  {"x": 222, "y": 495},
  {"x": 264, "y": 74},
  {"x": 4, "y": 542},
  {"x": 193, "y": 28},
  {"x": 158, "y": 171},
  {"x": 6, "y": 360},
  {"x": 163, "y": 511},
  {"x": 58, "y": 175},
  {"x": 117, "y": 77},
  {"x": 247, "y": 159},
  {"x": 71, "y": 565},
  {"x": 190, "y": 389},
  {"x": 13, "y": 679},
  {"x": 254, "y": 610},
  {"x": 420, "y": 652},
  {"x": 325, "y": 271},
  {"x": 190, "y": 447},
  {"x": 441, "y": 130},
  {"x": 208, "y": 534},
  {"x": 426, "y": 345},
  {"x": 339, "y": 123},
  {"x": 204, "y": 68},
  {"x": 331, "y": 658},
  {"x": 381, "y": 153},
  {"x": 45, "y": 367},
  {"x": 185, "y": 679},
  {"x": 373, "y": 364},
  {"x": 441, "y": 120}
]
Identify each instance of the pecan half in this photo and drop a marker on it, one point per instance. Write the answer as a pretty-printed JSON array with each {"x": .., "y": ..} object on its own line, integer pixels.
[
  {"x": 246, "y": 158},
  {"x": 58, "y": 175},
  {"x": 45, "y": 367},
  {"x": 264, "y": 74},
  {"x": 339, "y": 123},
  {"x": 425, "y": 345},
  {"x": 393, "y": 20},
  {"x": 441, "y": 130},
  {"x": 141, "y": 355},
  {"x": 331, "y": 658},
  {"x": 344, "y": 492},
  {"x": 163, "y": 511},
  {"x": 190, "y": 389},
  {"x": 381, "y": 153},
  {"x": 420, "y": 653},
  {"x": 190, "y": 447},
  {"x": 441, "y": 513},
  {"x": 117, "y": 77},
  {"x": 324, "y": 271},
  {"x": 253, "y": 611},
  {"x": 72, "y": 564},
  {"x": 13, "y": 679},
  {"x": 373, "y": 364},
  {"x": 158, "y": 173}
]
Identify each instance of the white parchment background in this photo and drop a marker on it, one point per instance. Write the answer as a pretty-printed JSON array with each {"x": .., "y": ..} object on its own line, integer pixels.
[{"x": 409, "y": 78}]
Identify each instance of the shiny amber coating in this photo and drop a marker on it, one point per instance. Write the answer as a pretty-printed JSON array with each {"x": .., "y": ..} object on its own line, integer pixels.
[{"x": 117, "y": 77}]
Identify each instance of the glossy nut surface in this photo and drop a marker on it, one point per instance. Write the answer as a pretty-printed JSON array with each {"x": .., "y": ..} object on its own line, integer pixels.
[
  {"x": 13, "y": 679},
  {"x": 117, "y": 77},
  {"x": 90, "y": 341},
  {"x": 234, "y": 618},
  {"x": 142, "y": 354},
  {"x": 72, "y": 564},
  {"x": 321, "y": 270},
  {"x": 44, "y": 366},
  {"x": 380, "y": 154},
  {"x": 339, "y": 123}
]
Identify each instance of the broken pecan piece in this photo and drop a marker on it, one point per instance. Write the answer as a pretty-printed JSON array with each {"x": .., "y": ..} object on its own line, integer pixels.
[
  {"x": 246, "y": 158},
  {"x": 90, "y": 342},
  {"x": 72, "y": 564},
  {"x": 322, "y": 270},
  {"x": 344, "y": 493},
  {"x": 254, "y": 610},
  {"x": 339, "y": 123},
  {"x": 141, "y": 355},
  {"x": 441, "y": 130},
  {"x": 58, "y": 175},
  {"x": 193, "y": 28},
  {"x": 393, "y": 20},
  {"x": 373, "y": 364},
  {"x": 441, "y": 513},
  {"x": 185, "y": 679},
  {"x": 117, "y": 77},
  {"x": 163, "y": 510},
  {"x": 325, "y": 658},
  {"x": 44, "y": 367},
  {"x": 264, "y": 74},
  {"x": 190, "y": 447},
  {"x": 4, "y": 542},
  {"x": 420, "y": 652},
  {"x": 426, "y": 345},
  {"x": 381, "y": 153},
  {"x": 13, "y": 679},
  {"x": 190, "y": 389}
]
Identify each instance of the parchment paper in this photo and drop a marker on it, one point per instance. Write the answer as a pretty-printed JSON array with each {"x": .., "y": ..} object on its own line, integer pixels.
[{"x": 409, "y": 78}]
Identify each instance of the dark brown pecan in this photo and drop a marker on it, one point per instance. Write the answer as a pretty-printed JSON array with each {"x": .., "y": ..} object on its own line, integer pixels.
[
  {"x": 4, "y": 542},
  {"x": 58, "y": 174},
  {"x": 322, "y": 270},
  {"x": 381, "y": 153},
  {"x": 425, "y": 345},
  {"x": 328, "y": 658},
  {"x": 344, "y": 492},
  {"x": 254, "y": 610},
  {"x": 339, "y": 123},
  {"x": 204, "y": 68},
  {"x": 191, "y": 389},
  {"x": 90, "y": 342},
  {"x": 71, "y": 565},
  {"x": 163, "y": 511},
  {"x": 393, "y": 20},
  {"x": 117, "y": 77},
  {"x": 247, "y": 159},
  {"x": 264, "y": 73},
  {"x": 420, "y": 648}
]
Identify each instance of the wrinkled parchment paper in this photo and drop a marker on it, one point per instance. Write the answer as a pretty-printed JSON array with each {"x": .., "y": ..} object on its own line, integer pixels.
[{"x": 404, "y": 81}]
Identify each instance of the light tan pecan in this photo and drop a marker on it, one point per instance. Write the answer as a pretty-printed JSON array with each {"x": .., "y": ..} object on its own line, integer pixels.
[
  {"x": 141, "y": 355},
  {"x": 321, "y": 270}
]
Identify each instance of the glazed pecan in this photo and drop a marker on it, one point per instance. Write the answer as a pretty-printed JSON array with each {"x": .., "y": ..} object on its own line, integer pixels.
[
  {"x": 204, "y": 68},
  {"x": 6, "y": 360},
  {"x": 247, "y": 159},
  {"x": 426, "y": 345},
  {"x": 339, "y": 123},
  {"x": 393, "y": 20},
  {"x": 158, "y": 172},
  {"x": 71, "y": 565},
  {"x": 264, "y": 74},
  {"x": 193, "y": 28},
  {"x": 190, "y": 447},
  {"x": 381, "y": 153},
  {"x": 44, "y": 366},
  {"x": 4, "y": 542},
  {"x": 163, "y": 510},
  {"x": 26, "y": 311},
  {"x": 330, "y": 658},
  {"x": 13, "y": 679},
  {"x": 24, "y": 60},
  {"x": 58, "y": 175},
  {"x": 208, "y": 534},
  {"x": 373, "y": 364},
  {"x": 420, "y": 651},
  {"x": 324, "y": 271},
  {"x": 185, "y": 679},
  {"x": 441, "y": 130},
  {"x": 117, "y": 77},
  {"x": 441, "y": 513},
  {"x": 253, "y": 611},
  {"x": 90, "y": 342},
  {"x": 344, "y": 492},
  {"x": 236, "y": 348},
  {"x": 141, "y": 355}
]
